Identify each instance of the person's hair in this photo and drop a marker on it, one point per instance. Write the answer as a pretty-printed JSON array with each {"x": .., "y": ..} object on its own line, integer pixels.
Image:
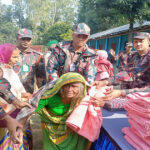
[{"x": 80, "y": 94}]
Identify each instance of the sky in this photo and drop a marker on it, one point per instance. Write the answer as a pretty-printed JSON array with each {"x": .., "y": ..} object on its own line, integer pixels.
[{"x": 7, "y": 2}]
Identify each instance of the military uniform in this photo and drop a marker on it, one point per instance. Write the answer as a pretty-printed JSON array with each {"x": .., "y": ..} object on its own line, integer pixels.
[
  {"x": 65, "y": 59},
  {"x": 5, "y": 94},
  {"x": 29, "y": 66},
  {"x": 83, "y": 64}
]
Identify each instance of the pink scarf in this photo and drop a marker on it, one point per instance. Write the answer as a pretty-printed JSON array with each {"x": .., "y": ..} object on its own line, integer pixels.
[{"x": 6, "y": 52}]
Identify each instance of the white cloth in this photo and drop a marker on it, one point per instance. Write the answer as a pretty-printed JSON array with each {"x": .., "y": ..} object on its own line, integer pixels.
[{"x": 16, "y": 85}]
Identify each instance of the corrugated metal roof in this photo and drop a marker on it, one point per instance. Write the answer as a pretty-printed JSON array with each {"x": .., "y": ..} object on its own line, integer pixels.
[{"x": 118, "y": 30}]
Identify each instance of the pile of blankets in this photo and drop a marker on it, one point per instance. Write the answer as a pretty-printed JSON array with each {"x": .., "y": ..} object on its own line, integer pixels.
[{"x": 138, "y": 108}]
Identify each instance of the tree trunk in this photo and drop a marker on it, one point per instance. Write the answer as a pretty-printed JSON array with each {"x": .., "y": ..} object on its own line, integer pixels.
[{"x": 130, "y": 32}]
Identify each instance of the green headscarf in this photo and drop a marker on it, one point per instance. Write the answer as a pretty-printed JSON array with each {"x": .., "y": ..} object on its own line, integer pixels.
[
  {"x": 67, "y": 78},
  {"x": 63, "y": 80},
  {"x": 54, "y": 125}
]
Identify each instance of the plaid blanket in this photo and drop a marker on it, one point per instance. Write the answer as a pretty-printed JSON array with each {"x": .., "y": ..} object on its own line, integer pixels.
[{"x": 34, "y": 100}]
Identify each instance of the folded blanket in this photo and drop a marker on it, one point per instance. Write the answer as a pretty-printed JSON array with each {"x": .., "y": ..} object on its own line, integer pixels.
[
  {"x": 133, "y": 110},
  {"x": 131, "y": 142},
  {"x": 139, "y": 128},
  {"x": 134, "y": 140},
  {"x": 115, "y": 104},
  {"x": 86, "y": 120},
  {"x": 142, "y": 96},
  {"x": 139, "y": 107},
  {"x": 144, "y": 122},
  {"x": 145, "y": 139}
]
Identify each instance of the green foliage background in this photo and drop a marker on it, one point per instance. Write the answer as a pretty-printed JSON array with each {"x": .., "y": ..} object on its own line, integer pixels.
[{"x": 55, "y": 19}]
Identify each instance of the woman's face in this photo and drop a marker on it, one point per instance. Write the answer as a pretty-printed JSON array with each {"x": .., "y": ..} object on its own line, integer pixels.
[
  {"x": 71, "y": 90},
  {"x": 1, "y": 73},
  {"x": 14, "y": 57}
]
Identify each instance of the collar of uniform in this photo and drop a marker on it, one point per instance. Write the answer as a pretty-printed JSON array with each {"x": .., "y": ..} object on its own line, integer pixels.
[
  {"x": 29, "y": 50},
  {"x": 86, "y": 51}
]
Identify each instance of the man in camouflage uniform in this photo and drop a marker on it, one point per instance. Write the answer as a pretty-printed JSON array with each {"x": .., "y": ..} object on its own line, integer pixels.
[
  {"x": 138, "y": 68},
  {"x": 74, "y": 56},
  {"x": 30, "y": 63},
  {"x": 124, "y": 56}
]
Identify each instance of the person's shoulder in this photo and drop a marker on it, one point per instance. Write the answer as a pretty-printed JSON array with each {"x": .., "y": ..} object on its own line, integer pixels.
[
  {"x": 63, "y": 45},
  {"x": 134, "y": 53},
  {"x": 36, "y": 52},
  {"x": 91, "y": 51}
]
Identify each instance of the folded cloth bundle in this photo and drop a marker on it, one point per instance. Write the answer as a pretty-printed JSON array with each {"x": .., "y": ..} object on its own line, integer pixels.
[
  {"x": 145, "y": 139},
  {"x": 86, "y": 119},
  {"x": 138, "y": 107},
  {"x": 115, "y": 104},
  {"x": 144, "y": 122},
  {"x": 143, "y": 133},
  {"x": 135, "y": 140}
]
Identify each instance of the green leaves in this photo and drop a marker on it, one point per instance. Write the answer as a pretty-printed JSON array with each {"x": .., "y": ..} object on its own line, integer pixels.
[{"x": 60, "y": 31}]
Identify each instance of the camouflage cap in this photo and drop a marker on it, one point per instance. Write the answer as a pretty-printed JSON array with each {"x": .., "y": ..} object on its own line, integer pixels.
[
  {"x": 22, "y": 33},
  {"x": 129, "y": 44},
  {"x": 141, "y": 35},
  {"x": 82, "y": 28}
]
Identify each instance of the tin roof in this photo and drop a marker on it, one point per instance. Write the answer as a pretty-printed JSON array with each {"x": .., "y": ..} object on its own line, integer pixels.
[{"x": 118, "y": 30}]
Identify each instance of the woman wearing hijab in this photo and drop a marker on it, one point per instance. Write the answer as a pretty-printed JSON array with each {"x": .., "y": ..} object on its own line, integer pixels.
[
  {"x": 54, "y": 103},
  {"x": 54, "y": 108},
  {"x": 10, "y": 87}
]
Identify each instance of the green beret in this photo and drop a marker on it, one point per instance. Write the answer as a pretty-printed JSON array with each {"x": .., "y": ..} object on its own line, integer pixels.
[{"x": 52, "y": 42}]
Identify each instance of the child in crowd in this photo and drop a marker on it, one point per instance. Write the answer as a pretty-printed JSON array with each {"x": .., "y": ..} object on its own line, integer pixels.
[{"x": 103, "y": 66}]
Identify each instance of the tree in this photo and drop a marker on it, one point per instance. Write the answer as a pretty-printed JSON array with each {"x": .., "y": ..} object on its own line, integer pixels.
[
  {"x": 18, "y": 12},
  {"x": 133, "y": 11},
  {"x": 40, "y": 15},
  {"x": 99, "y": 15},
  {"x": 7, "y": 27},
  {"x": 58, "y": 32}
]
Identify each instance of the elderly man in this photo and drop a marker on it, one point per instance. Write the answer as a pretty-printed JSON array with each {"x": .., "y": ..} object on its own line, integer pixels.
[
  {"x": 30, "y": 62},
  {"x": 74, "y": 56},
  {"x": 124, "y": 56},
  {"x": 138, "y": 68}
]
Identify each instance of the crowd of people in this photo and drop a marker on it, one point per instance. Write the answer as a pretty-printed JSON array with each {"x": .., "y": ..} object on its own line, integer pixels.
[{"x": 64, "y": 76}]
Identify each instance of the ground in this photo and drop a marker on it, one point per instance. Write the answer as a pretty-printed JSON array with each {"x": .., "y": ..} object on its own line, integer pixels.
[{"x": 37, "y": 132}]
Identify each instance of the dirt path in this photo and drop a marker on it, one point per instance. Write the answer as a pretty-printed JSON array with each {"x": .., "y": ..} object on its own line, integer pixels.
[{"x": 37, "y": 132}]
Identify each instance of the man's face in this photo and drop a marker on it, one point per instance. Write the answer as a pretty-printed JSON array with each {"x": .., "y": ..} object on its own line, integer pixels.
[
  {"x": 24, "y": 43},
  {"x": 128, "y": 48},
  {"x": 141, "y": 44},
  {"x": 79, "y": 40}
]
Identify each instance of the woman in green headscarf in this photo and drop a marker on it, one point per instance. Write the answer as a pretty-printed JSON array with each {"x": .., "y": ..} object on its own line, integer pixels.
[{"x": 54, "y": 108}]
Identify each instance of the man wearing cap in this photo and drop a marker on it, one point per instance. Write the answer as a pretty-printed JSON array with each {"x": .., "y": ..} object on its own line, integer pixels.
[
  {"x": 74, "y": 56},
  {"x": 124, "y": 56},
  {"x": 139, "y": 70},
  {"x": 52, "y": 44},
  {"x": 30, "y": 62}
]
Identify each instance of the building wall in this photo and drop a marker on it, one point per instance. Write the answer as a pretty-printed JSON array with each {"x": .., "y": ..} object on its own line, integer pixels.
[{"x": 118, "y": 43}]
